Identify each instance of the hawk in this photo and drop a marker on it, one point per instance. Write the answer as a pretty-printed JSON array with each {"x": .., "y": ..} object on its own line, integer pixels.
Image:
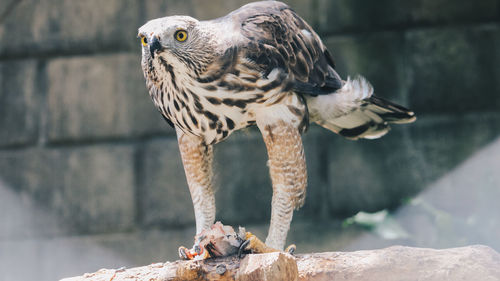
[{"x": 263, "y": 65}]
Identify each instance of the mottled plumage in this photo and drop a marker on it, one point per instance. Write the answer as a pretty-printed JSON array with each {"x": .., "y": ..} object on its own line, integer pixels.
[{"x": 259, "y": 65}]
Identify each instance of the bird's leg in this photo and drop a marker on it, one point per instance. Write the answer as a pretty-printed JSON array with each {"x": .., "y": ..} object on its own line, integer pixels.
[
  {"x": 287, "y": 167},
  {"x": 197, "y": 160}
]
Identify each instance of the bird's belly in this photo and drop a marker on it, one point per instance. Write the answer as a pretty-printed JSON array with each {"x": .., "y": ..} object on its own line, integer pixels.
[
  {"x": 214, "y": 114},
  {"x": 212, "y": 122}
]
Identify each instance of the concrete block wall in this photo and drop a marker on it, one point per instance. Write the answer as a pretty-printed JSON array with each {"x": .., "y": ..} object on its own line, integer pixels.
[{"x": 80, "y": 137}]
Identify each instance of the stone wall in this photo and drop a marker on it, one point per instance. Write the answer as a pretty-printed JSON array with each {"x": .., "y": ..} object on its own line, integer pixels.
[{"x": 80, "y": 136}]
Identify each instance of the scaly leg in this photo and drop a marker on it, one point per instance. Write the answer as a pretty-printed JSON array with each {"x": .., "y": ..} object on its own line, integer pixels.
[
  {"x": 197, "y": 159},
  {"x": 288, "y": 171}
]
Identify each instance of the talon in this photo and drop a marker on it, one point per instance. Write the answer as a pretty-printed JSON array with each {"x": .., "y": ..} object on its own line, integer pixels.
[
  {"x": 243, "y": 247},
  {"x": 184, "y": 253},
  {"x": 291, "y": 249}
]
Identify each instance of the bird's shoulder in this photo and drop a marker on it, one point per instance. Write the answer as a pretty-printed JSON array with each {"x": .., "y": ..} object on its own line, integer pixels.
[{"x": 274, "y": 36}]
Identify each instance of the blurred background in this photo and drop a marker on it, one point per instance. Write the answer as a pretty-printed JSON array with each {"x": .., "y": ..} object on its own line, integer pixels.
[{"x": 91, "y": 177}]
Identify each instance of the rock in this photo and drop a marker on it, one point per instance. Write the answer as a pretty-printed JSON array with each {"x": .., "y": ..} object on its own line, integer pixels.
[
  {"x": 403, "y": 263},
  {"x": 394, "y": 263},
  {"x": 272, "y": 266}
]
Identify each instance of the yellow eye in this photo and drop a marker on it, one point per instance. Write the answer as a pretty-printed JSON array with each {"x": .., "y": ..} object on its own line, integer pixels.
[
  {"x": 181, "y": 35},
  {"x": 144, "y": 41}
]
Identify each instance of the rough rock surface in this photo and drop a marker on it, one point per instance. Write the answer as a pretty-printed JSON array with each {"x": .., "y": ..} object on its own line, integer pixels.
[{"x": 393, "y": 263}]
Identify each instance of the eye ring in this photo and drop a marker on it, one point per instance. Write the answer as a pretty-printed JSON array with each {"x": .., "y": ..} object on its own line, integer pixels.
[
  {"x": 144, "y": 41},
  {"x": 181, "y": 35}
]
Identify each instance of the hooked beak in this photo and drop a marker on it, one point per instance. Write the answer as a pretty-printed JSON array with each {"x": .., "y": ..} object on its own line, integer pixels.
[{"x": 154, "y": 45}]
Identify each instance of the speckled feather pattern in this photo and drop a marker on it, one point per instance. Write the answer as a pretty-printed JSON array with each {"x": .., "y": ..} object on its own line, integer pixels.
[
  {"x": 260, "y": 65},
  {"x": 288, "y": 171}
]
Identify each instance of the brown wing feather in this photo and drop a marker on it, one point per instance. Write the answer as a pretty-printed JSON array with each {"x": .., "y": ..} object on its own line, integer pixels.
[{"x": 276, "y": 37}]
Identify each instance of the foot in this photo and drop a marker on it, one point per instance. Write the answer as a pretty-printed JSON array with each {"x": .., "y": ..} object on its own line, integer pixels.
[
  {"x": 221, "y": 241},
  {"x": 253, "y": 244}
]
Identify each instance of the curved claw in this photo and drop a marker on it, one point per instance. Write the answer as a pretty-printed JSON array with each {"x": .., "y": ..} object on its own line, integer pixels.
[
  {"x": 291, "y": 249},
  {"x": 184, "y": 253},
  {"x": 243, "y": 248}
]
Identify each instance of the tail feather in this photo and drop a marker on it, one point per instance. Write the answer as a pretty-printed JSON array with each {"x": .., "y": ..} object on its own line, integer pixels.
[
  {"x": 354, "y": 112},
  {"x": 391, "y": 112}
]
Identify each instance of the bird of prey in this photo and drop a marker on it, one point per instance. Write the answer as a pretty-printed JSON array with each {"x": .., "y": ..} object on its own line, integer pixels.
[{"x": 263, "y": 65}]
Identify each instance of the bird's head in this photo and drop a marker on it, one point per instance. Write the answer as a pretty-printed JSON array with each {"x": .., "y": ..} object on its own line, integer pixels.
[{"x": 182, "y": 42}]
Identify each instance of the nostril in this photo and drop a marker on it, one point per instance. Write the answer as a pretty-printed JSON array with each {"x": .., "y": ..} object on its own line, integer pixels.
[{"x": 154, "y": 45}]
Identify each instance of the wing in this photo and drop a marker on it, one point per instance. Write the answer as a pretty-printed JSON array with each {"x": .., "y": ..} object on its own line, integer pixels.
[{"x": 275, "y": 37}]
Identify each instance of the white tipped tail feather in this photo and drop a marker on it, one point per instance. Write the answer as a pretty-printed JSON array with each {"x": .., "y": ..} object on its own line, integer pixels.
[{"x": 354, "y": 112}]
